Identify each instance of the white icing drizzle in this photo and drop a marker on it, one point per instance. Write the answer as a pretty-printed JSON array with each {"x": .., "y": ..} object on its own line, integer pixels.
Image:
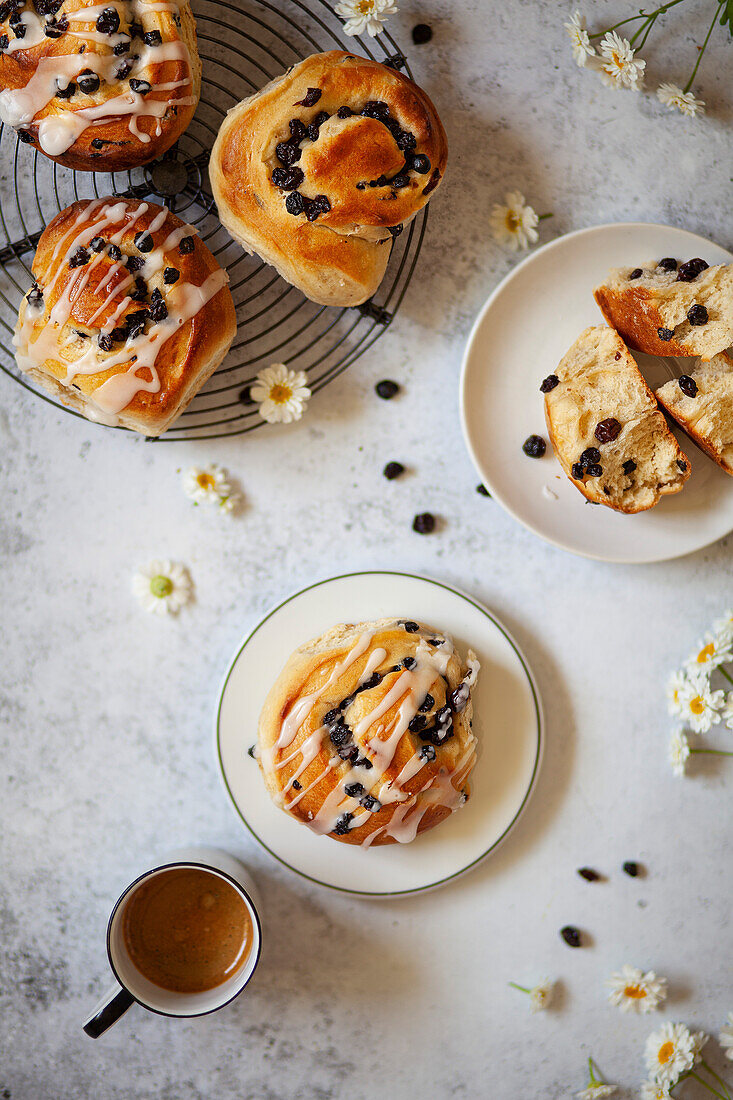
[
  {"x": 183, "y": 301},
  {"x": 409, "y": 689},
  {"x": 58, "y": 132}
]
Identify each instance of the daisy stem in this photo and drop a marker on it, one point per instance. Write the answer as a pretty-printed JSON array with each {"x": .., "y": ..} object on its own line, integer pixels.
[
  {"x": 521, "y": 988},
  {"x": 715, "y": 752},
  {"x": 716, "y": 1076},
  {"x": 718, "y": 10},
  {"x": 634, "y": 18},
  {"x": 541, "y": 218},
  {"x": 708, "y": 1086},
  {"x": 727, "y": 675}
]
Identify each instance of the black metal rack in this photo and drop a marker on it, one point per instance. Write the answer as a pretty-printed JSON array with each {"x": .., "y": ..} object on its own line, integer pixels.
[{"x": 241, "y": 48}]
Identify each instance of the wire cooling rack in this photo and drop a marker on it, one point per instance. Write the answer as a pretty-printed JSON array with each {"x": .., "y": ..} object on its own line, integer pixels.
[{"x": 242, "y": 46}]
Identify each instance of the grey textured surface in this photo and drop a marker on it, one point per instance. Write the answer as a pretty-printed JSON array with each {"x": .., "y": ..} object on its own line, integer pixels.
[{"x": 107, "y": 713}]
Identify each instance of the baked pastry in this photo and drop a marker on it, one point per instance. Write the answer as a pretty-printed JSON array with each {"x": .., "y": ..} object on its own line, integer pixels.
[
  {"x": 318, "y": 171},
  {"x": 98, "y": 87},
  {"x": 366, "y": 734},
  {"x": 671, "y": 308},
  {"x": 702, "y": 404},
  {"x": 608, "y": 433},
  {"x": 128, "y": 316}
]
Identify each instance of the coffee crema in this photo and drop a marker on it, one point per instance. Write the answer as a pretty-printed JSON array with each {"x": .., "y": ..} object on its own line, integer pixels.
[{"x": 187, "y": 930}]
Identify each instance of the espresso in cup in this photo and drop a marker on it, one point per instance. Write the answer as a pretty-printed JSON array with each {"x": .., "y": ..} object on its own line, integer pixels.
[{"x": 187, "y": 930}]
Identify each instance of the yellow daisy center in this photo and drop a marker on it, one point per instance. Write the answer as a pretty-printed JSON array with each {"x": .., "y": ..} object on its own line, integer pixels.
[
  {"x": 706, "y": 653},
  {"x": 280, "y": 394},
  {"x": 634, "y": 992},
  {"x": 617, "y": 60},
  {"x": 513, "y": 221},
  {"x": 697, "y": 706},
  {"x": 161, "y": 586},
  {"x": 665, "y": 1052},
  {"x": 365, "y": 7},
  {"x": 206, "y": 481}
]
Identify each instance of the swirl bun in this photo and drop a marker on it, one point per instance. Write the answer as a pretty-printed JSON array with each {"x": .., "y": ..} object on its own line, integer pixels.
[
  {"x": 128, "y": 316},
  {"x": 366, "y": 734},
  {"x": 98, "y": 86},
  {"x": 318, "y": 171}
]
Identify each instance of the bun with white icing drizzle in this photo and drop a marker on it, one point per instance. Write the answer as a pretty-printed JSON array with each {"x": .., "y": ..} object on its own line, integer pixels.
[
  {"x": 102, "y": 86},
  {"x": 318, "y": 171},
  {"x": 128, "y": 316},
  {"x": 366, "y": 735}
]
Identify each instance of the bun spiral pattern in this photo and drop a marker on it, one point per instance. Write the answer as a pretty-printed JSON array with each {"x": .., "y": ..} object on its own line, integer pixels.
[
  {"x": 128, "y": 316},
  {"x": 366, "y": 735},
  {"x": 98, "y": 86},
  {"x": 323, "y": 167}
]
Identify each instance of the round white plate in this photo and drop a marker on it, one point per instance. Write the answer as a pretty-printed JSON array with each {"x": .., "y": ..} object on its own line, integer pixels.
[
  {"x": 523, "y": 331},
  {"x": 507, "y": 723}
]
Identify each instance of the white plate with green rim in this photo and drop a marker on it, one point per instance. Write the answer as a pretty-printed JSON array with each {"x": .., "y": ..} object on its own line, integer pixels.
[
  {"x": 522, "y": 332},
  {"x": 507, "y": 723}
]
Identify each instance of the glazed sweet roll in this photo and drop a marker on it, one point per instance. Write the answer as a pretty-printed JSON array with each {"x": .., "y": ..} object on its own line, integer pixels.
[
  {"x": 366, "y": 736},
  {"x": 98, "y": 87},
  {"x": 128, "y": 316},
  {"x": 322, "y": 168}
]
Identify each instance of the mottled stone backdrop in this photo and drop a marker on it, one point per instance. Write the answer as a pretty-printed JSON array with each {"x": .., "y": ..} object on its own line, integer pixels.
[{"x": 107, "y": 713}]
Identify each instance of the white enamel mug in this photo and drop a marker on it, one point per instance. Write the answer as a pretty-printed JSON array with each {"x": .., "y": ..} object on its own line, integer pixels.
[{"x": 131, "y": 986}]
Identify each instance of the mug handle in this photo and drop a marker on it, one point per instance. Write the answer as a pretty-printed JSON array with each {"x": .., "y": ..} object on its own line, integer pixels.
[{"x": 113, "y": 1005}]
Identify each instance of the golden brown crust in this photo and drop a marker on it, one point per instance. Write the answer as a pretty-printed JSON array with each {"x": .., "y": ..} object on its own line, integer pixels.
[
  {"x": 340, "y": 257},
  {"x": 113, "y": 145},
  {"x": 683, "y": 411},
  {"x": 54, "y": 338},
  {"x": 414, "y": 792},
  {"x": 636, "y": 318}
]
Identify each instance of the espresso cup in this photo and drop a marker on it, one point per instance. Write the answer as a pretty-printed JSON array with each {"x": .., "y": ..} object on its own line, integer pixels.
[{"x": 132, "y": 985}]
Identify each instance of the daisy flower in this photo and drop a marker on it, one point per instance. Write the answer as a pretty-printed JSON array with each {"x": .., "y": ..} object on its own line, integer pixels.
[
  {"x": 676, "y": 687},
  {"x": 634, "y": 991},
  {"x": 163, "y": 587},
  {"x": 365, "y": 15},
  {"x": 514, "y": 224},
  {"x": 579, "y": 40},
  {"x": 207, "y": 484},
  {"x": 671, "y": 1051},
  {"x": 678, "y": 100},
  {"x": 725, "y": 1038},
  {"x": 679, "y": 751},
  {"x": 540, "y": 995},
  {"x": 618, "y": 66},
  {"x": 711, "y": 651},
  {"x": 282, "y": 394},
  {"x": 596, "y": 1088},
  {"x": 699, "y": 706},
  {"x": 724, "y": 627},
  {"x": 652, "y": 1090}
]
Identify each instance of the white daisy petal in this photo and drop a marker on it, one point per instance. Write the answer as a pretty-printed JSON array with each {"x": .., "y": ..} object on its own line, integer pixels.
[
  {"x": 676, "y": 99},
  {"x": 679, "y": 751},
  {"x": 282, "y": 394},
  {"x": 207, "y": 484},
  {"x": 671, "y": 1051},
  {"x": 365, "y": 15},
  {"x": 595, "y": 1092},
  {"x": 514, "y": 223},
  {"x": 618, "y": 65},
  {"x": 579, "y": 40},
  {"x": 634, "y": 991},
  {"x": 652, "y": 1090},
  {"x": 725, "y": 1038},
  {"x": 162, "y": 587},
  {"x": 710, "y": 652},
  {"x": 701, "y": 708},
  {"x": 540, "y": 996}
]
